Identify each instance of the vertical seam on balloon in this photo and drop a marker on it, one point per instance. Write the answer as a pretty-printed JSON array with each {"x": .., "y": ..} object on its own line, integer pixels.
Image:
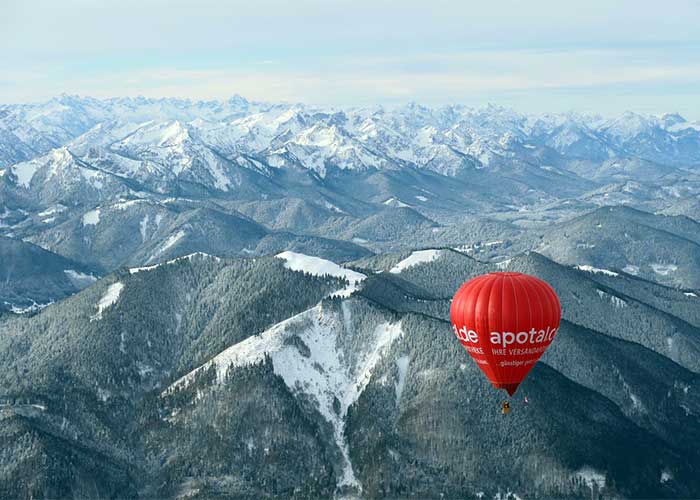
[
  {"x": 515, "y": 300},
  {"x": 485, "y": 282},
  {"x": 524, "y": 284},
  {"x": 498, "y": 283},
  {"x": 511, "y": 281},
  {"x": 503, "y": 374},
  {"x": 503, "y": 293},
  {"x": 487, "y": 285}
]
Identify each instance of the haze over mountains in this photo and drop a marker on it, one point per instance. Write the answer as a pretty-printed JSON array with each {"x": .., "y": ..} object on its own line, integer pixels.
[{"x": 266, "y": 287}]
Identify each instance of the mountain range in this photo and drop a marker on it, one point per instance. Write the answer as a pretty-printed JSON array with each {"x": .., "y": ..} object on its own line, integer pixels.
[{"x": 236, "y": 299}]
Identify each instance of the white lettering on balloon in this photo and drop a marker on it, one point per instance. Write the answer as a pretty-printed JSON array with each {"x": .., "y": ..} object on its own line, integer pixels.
[{"x": 505, "y": 339}]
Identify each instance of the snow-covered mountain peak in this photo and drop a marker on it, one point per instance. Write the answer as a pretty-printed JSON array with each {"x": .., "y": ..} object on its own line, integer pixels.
[
  {"x": 57, "y": 162},
  {"x": 292, "y": 115},
  {"x": 670, "y": 120},
  {"x": 61, "y": 155},
  {"x": 174, "y": 133},
  {"x": 238, "y": 100},
  {"x": 629, "y": 126},
  {"x": 322, "y": 136},
  {"x": 158, "y": 134}
]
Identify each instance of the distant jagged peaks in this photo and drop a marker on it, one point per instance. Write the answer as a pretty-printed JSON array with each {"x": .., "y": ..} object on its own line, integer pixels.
[
  {"x": 356, "y": 138},
  {"x": 368, "y": 176},
  {"x": 672, "y": 119}
]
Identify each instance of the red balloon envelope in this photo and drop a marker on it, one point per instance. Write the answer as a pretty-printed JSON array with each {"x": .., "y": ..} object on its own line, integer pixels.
[{"x": 505, "y": 321}]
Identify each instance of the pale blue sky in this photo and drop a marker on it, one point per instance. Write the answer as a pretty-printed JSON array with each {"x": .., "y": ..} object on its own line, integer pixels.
[{"x": 532, "y": 55}]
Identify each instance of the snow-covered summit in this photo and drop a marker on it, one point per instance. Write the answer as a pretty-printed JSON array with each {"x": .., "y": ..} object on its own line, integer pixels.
[
  {"x": 208, "y": 142},
  {"x": 322, "y": 267}
]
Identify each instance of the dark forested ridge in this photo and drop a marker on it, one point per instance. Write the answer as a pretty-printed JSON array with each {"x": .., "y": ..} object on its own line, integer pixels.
[{"x": 365, "y": 395}]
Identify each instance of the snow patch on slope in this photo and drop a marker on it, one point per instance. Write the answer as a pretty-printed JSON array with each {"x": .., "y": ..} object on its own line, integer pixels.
[
  {"x": 616, "y": 301},
  {"x": 52, "y": 210},
  {"x": 24, "y": 172},
  {"x": 402, "y": 366},
  {"x": 322, "y": 369},
  {"x": 630, "y": 269},
  {"x": 79, "y": 279},
  {"x": 664, "y": 269},
  {"x": 503, "y": 264},
  {"x": 108, "y": 299},
  {"x": 416, "y": 258},
  {"x": 666, "y": 476},
  {"x": 143, "y": 227},
  {"x": 321, "y": 267},
  {"x": 126, "y": 204},
  {"x": 91, "y": 218},
  {"x": 591, "y": 477}
]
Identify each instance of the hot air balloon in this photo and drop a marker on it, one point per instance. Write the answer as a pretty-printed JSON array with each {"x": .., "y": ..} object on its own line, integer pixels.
[{"x": 505, "y": 321}]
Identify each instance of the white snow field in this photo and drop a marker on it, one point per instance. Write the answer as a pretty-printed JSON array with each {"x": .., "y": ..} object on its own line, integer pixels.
[
  {"x": 416, "y": 258},
  {"x": 329, "y": 371},
  {"x": 321, "y": 267}
]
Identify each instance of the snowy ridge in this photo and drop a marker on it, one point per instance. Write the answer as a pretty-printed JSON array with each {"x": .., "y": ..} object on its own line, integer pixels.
[
  {"x": 395, "y": 202},
  {"x": 595, "y": 270},
  {"x": 322, "y": 267},
  {"x": 416, "y": 258},
  {"x": 135, "y": 270},
  {"x": 326, "y": 372}
]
